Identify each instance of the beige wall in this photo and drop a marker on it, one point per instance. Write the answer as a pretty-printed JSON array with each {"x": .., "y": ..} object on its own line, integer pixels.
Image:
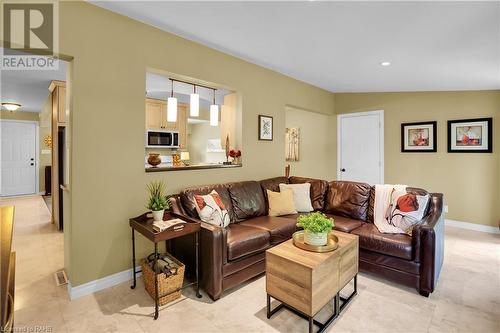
[
  {"x": 317, "y": 145},
  {"x": 107, "y": 179},
  {"x": 19, "y": 115},
  {"x": 470, "y": 182}
]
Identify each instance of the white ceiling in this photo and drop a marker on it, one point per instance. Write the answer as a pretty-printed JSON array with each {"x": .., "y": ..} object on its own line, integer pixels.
[
  {"x": 339, "y": 45},
  {"x": 30, "y": 88},
  {"x": 159, "y": 87}
]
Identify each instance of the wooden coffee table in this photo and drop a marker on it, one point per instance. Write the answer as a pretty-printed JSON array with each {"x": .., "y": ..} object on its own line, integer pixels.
[{"x": 304, "y": 282}]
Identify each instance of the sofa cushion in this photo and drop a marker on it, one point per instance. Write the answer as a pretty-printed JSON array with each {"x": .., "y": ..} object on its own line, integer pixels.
[
  {"x": 344, "y": 224},
  {"x": 187, "y": 196},
  {"x": 349, "y": 199},
  {"x": 371, "y": 202},
  {"x": 211, "y": 209},
  {"x": 318, "y": 190},
  {"x": 281, "y": 203},
  {"x": 247, "y": 200},
  {"x": 243, "y": 240},
  {"x": 273, "y": 184},
  {"x": 397, "y": 245},
  {"x": 301, "y": 196},
  {"x": 371, "y": 205},
  {"x": 279, "y": 228}
]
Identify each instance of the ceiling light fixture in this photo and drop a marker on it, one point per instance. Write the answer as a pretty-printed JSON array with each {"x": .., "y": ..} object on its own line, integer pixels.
[
  {"x": 11, "y": 106},
  {"x": 214, "y": 113},
  {"x": 172, "y": 106},
  {"x": 194, "y": 103},
  {"x": 385, "y": 63}
]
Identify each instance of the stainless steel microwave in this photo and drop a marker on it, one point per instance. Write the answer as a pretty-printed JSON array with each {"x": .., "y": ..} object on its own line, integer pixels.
[{"x": 162, "y": 139}]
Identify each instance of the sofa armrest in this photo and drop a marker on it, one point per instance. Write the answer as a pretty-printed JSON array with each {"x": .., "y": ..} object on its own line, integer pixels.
[
  {"x": 212, "y": 249},
  {"x": 428, "y": 243},
  {"x": 211, "y": 258}
]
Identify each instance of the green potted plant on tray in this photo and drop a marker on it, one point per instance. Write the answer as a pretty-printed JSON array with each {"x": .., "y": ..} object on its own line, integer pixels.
[
  {"x": 316, "y": 228},
  {"x": 158, "y": 201}
]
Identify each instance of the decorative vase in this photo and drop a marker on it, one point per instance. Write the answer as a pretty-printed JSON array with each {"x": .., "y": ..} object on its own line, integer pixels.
[
  {"x": 315, "y": 238},
  {"x": 236, "y": 160},
  {"x": 154, "y": 159},
  {"x": 158, "y": 215}
]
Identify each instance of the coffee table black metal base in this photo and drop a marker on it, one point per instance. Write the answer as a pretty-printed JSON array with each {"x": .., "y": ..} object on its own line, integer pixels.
[{"x": 337, "y": 309}]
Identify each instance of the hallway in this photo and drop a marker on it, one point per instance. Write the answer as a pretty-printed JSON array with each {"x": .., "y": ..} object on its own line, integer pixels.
[{"x": 39, "y": 251}]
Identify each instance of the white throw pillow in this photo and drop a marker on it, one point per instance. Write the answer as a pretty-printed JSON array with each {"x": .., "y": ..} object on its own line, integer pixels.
[
  {"x": 301, "y": 196},
  {"x": 211, "y": 209}
]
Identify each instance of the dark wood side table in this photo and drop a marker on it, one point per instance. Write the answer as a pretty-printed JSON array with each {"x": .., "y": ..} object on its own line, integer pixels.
[{"x": 144, "y": 225}]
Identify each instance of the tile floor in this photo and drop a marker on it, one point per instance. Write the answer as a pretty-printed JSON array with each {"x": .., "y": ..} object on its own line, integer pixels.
[{"x": 467, "y": 298}]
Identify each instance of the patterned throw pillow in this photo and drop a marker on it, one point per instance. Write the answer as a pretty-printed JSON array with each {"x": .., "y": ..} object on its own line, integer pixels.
[
  {"x": 211, "y": 209},
  {"x": 407, "y": 210}
]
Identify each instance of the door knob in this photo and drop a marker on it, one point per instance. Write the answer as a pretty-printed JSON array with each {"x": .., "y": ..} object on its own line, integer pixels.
[{"x": 342, "y": 170}]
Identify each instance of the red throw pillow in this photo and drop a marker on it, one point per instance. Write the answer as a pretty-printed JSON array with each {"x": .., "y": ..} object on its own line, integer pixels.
[
  {"x": 200, "y": 202},
  {"x": 407, "y": 203},
  {"x": 217, "y": 200}
]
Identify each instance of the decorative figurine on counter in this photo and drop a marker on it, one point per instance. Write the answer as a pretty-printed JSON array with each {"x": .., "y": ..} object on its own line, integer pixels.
[{"x": 227, "y": 152}]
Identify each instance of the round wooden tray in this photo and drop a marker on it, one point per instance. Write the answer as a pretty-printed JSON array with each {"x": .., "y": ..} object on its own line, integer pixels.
[{"x": 298, "y": 241}]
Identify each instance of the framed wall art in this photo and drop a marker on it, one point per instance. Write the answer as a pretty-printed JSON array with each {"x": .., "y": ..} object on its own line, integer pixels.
[
  {"x": 292, "y": 144},
  {"x": 419, "y": 137},
  {"x": 470, "y": 135},
  {"x": 265, "y": 128}
]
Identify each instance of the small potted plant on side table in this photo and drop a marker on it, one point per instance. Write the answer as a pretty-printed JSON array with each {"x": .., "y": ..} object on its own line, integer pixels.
[
  {"x": 316, "y": 228},
  {"x": 157, "y": 199}
]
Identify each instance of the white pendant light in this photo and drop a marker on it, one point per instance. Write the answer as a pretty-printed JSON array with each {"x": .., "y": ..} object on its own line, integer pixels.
[
  {"x": 214, "y": 113},
  {"x": 194, "y": 103},
  {"x": 172, "y": 106}
]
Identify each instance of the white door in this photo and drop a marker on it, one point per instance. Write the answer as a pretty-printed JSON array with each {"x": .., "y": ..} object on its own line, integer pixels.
[
  {"x": 18, "y": 163},
  {"x": 360, "y": 147}
]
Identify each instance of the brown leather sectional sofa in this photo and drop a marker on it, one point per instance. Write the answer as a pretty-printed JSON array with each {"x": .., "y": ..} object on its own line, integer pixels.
[{"x": 235, "y": 254}]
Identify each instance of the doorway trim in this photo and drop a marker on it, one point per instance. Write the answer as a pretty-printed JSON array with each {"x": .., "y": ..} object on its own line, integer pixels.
[
  {"x": 380, "y": 113},
  {"x": 37, "y": 151}
]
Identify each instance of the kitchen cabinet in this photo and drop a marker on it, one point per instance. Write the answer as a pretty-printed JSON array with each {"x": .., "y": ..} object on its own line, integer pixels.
[
  {"x": 154, "y": 114},
  {"x": 156, "y": 118}
]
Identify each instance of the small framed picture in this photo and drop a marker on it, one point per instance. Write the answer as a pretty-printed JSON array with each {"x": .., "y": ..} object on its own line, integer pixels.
[
  {"x": 470, "y": 135},
  {"x": 419, "y": 137},
  {"x": 265, "y": 128}
]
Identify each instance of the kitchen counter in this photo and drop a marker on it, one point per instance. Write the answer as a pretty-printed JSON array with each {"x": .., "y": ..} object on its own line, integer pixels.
[{"x": 170, "y": 167}]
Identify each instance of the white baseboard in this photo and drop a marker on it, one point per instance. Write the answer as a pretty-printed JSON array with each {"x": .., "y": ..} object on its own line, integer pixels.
[
  {"x": 472, "y": 226},
  {"x": 100, "y": 284}
]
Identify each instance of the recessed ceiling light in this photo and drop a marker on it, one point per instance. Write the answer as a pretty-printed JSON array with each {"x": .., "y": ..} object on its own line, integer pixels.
[
  {"x": 11, "y": 106},
  {"x": 385, "y": 63}
]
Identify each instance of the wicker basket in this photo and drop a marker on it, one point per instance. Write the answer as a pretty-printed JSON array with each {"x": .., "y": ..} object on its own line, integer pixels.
[{"x": 165, "y": 284}]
